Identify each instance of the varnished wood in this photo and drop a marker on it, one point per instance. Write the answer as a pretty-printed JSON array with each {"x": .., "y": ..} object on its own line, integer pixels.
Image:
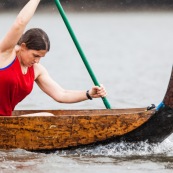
[{"x": 67, "y": 128}]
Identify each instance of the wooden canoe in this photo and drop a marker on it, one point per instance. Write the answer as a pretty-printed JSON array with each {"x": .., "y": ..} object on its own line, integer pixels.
[{"x": 73, "y": 128}]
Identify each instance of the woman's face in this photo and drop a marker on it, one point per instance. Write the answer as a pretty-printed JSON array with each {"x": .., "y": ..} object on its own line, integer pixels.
[{"x": 29, "y": 57}]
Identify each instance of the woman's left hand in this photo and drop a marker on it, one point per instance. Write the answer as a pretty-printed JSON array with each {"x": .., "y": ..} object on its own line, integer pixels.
[{"x": 97, "y": 91}]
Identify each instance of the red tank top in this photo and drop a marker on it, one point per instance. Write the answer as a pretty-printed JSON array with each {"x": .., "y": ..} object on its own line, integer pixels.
[{"x": 14, "y": 86}]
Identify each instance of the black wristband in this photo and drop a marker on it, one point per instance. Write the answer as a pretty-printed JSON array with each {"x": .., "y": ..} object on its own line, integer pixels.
[{"x": 88, "y": 96}]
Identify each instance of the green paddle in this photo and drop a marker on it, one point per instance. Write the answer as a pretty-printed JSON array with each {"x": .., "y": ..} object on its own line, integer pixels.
[{"x": 58, "y": 4}]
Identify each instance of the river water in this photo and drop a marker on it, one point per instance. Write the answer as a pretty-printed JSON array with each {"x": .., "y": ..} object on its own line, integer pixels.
[{"x": 131, "y": 54}]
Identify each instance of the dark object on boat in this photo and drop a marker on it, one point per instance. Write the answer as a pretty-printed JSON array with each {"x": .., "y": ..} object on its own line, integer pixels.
[{"x": 73, "y": 128}]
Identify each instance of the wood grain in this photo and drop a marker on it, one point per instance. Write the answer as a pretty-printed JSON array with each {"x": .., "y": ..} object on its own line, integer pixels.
[{"x": 67, "y": 128}]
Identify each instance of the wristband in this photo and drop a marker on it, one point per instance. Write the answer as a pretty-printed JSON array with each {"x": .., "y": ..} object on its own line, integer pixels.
[{"x": 88, "y": 96}]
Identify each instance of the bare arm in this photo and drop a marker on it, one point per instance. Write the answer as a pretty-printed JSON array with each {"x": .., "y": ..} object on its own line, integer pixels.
[
  {"x": 15, "y": 32},
  {"x": 50, "y": 87}
]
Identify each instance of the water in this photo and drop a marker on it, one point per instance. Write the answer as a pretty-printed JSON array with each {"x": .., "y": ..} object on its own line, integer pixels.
[{"x": 131, "y": 54}]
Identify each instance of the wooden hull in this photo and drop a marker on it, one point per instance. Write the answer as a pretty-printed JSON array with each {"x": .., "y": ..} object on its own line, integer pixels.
[
  {"x": 72, "y": 128},
  {"x": 68, "y": 128},
  {"x": 155, "y": 130}
]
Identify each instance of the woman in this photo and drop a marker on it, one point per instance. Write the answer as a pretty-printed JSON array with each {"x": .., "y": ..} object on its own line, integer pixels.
[{"x": 19, "y": 66}]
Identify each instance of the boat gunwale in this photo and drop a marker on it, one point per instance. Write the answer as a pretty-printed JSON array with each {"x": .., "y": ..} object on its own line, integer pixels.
[{"x": 79, "y": 112}]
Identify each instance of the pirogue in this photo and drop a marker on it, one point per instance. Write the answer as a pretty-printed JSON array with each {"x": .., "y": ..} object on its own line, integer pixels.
[{"x": 72, "y": 128}]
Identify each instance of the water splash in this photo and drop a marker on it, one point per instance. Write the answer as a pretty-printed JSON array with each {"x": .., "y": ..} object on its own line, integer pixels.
[{"x": 122, "y": 149}]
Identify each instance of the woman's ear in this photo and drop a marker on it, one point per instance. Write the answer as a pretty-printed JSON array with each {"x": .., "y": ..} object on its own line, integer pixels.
[{"x": 23, "y": 46}]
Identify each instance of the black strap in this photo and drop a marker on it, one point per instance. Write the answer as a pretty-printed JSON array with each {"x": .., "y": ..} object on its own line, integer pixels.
[{"x": 87, "y": 94}]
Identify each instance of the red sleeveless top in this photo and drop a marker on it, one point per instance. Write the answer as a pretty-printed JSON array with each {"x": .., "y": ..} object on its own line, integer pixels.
[{"x": 14, "y": 86}]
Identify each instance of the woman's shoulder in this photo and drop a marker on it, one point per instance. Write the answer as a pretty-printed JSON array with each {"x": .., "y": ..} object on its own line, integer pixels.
[{"x": 39, "y": 69}]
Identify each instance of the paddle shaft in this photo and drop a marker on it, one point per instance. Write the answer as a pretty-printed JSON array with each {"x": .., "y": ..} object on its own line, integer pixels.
[{"x": 62, "y": 13}]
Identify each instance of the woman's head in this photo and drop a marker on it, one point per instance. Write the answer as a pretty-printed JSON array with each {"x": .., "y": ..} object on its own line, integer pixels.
[{"x": 35, "y": 39}]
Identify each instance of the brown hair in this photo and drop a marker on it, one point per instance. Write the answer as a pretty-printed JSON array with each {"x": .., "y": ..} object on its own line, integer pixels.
[{"x": 35, "y": 39}]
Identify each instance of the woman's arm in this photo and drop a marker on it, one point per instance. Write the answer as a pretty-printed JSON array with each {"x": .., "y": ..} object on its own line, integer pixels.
[
  {"x": 15, "y": 32},
  {"x": 50, "y": 87}
]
